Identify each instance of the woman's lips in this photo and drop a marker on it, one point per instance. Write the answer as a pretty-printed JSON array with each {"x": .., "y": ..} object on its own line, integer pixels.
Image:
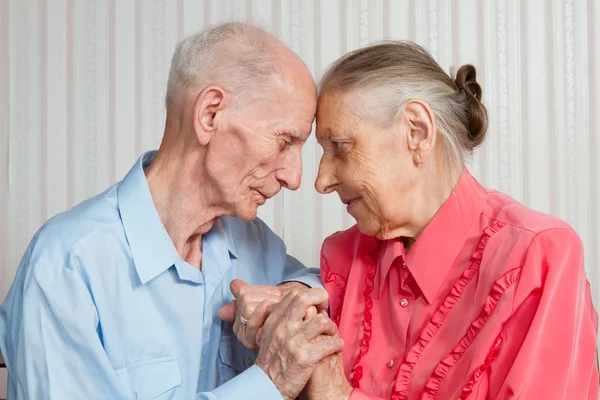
[{"x": 350, "y": 203}]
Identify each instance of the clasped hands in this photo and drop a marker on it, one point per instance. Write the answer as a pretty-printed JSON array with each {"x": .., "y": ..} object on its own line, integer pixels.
[{"x": 299, "y": 347}]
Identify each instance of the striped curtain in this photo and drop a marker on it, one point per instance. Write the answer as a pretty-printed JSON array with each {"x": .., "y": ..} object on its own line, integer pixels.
[{"x": 82, "y": 84}]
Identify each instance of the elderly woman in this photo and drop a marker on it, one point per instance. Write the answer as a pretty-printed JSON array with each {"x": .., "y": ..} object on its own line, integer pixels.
[{"x": 443, "y": 289}]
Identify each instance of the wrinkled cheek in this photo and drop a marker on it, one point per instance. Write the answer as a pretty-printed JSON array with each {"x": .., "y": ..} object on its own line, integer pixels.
[{"x": 367, "y": 221}]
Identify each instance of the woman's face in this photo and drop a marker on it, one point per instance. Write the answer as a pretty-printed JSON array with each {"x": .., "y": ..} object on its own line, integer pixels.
[{"x": 368, "y": 163}]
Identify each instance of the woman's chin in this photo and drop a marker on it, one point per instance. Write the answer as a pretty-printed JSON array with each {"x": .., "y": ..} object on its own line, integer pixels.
[{"x": 366, "y": 227}]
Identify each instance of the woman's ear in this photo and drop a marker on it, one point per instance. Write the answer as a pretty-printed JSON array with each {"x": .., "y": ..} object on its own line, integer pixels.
[
  {"x": 209, "y": 103},
  {"x": 419, "y": 131}
]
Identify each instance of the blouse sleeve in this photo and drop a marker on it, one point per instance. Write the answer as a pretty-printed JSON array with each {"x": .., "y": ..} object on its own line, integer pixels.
[{"x": 554, "y": 326}]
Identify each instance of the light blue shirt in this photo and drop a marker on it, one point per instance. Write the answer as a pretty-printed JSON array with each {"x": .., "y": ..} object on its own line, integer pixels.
[{"x": 103, "y": 307}]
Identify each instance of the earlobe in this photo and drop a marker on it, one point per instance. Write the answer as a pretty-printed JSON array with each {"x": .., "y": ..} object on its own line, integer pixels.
[{"x": 207, "y": 108}]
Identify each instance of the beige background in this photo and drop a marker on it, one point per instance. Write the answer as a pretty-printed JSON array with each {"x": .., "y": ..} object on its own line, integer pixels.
[{"x": 82, "y": 86}]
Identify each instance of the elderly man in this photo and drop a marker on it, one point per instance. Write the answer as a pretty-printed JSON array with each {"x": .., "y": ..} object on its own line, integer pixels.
[{"x": 118, "y": 297}]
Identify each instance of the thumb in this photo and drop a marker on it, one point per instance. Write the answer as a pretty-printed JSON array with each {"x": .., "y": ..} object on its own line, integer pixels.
[
  {"x": 235, "y": 286},
  {"x": 227, "y": 312}
]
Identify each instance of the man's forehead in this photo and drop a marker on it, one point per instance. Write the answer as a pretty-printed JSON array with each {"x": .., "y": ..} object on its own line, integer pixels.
[{"x": 301, "y": 135}]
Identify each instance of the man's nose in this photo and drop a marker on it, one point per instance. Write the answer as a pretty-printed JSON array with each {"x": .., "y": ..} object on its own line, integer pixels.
[{"x": 290, "y": 175}]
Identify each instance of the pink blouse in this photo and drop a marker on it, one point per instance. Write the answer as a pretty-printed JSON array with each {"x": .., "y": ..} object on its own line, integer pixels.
[{"x": 491, "y": 302}]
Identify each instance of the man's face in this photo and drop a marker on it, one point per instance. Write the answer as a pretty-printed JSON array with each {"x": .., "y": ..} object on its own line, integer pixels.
[{"x": 258, "y": 146}]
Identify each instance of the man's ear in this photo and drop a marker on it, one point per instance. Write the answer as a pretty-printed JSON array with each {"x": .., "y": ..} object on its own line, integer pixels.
[
  {"x": 207, "y": 108},
  {"x": 419, "y": 130}
]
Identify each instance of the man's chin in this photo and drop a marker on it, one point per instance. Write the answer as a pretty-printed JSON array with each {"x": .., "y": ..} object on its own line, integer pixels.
[{"x": 247, "y": 213}]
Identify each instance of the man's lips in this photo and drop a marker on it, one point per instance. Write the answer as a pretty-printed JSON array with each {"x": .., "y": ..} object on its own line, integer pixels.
[{"x": 266, "y": 196}]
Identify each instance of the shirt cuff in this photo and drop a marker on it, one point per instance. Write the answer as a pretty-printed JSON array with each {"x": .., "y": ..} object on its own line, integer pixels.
[
  {"x": 308, "y": 276},
  {"x": 252, "y": 384}
]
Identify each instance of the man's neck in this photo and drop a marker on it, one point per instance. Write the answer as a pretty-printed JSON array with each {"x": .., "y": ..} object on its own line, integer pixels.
[{"x": 184, "y": 204}]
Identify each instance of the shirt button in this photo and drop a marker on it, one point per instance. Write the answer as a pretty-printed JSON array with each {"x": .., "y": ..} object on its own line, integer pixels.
[
  {"x": 249, "y": 361},
  {"x": 403, "y": 302},
  {"x": 201, "y": 367},
  {"x": 390, "y": 363}
]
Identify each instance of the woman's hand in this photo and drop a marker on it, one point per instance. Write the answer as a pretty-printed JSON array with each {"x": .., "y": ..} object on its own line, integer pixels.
[{"x": 328, "y": 380}]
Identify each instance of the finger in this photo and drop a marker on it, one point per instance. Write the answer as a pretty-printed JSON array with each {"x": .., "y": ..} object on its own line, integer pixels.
[
  {"x": 280, "y": 311},
  {"x": 285, "y": 302},
  {"x": 259, "y": 335},
  {"x": 318, "y": 350},
  {"x": 273, "y": 290},
  {"x": 303, "y": 300},
  {"x": 319, "y": 325},
  {"x": 289, "y": 286},
  {"x": 310, "y": 312},
  {"x": 255, "y": 323},
  {"x": 227, "y": 312},
  {"x": 257, "y": 298},
  {"x": 248, "y": 303},
  {"x": 236, "y": 286},
  {"x": 271, "y": 307}
]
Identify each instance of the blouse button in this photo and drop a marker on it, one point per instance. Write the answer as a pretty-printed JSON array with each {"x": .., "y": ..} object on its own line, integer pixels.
[
  {"x": 404, "y": 265},
  {"x": 390, "y": 363},
  {"x": 403, "y": 302}
]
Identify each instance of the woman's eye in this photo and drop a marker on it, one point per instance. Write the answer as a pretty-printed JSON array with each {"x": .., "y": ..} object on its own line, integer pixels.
[{"x": 338, "y": 144}]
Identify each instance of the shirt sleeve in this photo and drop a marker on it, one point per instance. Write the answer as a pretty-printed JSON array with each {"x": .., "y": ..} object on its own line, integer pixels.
[
  {"x": 553, "y": 332},
  {"x": 296, "y": 272},
  {"x": 58, "y": 353},
  {"x": 252, "y": 384},
  {"x": 55, "y": 351}
]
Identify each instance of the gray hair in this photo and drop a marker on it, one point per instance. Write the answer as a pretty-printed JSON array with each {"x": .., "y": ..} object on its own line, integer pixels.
[
  {"x": 397, "y": 71},
  {"x": 236, "y": 56}
]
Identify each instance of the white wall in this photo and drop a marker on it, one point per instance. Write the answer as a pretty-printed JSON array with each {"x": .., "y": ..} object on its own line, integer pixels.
[{"x": 82, "y": 86}]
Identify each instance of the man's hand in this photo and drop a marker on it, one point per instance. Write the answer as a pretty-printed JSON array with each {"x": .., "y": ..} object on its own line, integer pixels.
[
  {"x": 292, "y": 345},
  {"x": 252, "y": 307}
]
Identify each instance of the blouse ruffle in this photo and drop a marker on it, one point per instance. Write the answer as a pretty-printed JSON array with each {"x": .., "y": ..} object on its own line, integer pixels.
[
  {"x": 445, "y": 366},
  {"x": 438, "y": 318}
]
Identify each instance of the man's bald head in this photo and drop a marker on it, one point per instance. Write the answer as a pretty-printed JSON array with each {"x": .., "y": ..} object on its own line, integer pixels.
[{"x": 239, "y": 57}]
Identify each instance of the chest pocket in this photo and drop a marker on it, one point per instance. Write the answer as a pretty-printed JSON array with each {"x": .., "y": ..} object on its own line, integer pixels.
[
  {"x": 234, "y": 355},
  {"x": 158, "y": 378}
]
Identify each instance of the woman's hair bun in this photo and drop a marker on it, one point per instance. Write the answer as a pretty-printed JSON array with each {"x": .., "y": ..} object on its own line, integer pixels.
[{"x": 466, "y": 81}]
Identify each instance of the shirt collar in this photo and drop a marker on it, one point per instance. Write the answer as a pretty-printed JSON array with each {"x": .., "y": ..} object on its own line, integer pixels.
[
  {"x": 434, "y": 252},
  {"x": 152, "y": 249},
  {"x": 390, "y": 250}
]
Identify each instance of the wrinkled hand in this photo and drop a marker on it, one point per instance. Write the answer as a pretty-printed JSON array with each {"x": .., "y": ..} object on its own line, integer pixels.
[
  {"x": 328, "y": 381},
  {"x": 292, "y": 346},
  {"x": 252, "y": 307}
]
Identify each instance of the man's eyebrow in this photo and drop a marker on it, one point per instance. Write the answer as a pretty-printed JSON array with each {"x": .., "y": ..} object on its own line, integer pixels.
[{"x": 297, "y": 135}]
